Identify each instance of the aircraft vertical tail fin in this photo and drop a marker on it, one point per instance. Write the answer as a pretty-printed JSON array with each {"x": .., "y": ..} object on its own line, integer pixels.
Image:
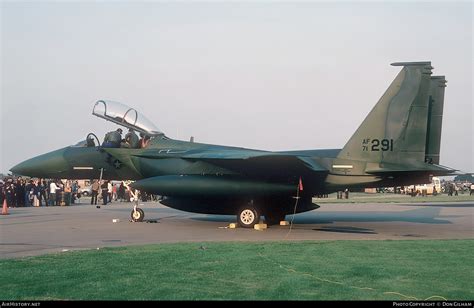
[
  {"x": 435, "y": 118},
  {"x": 402, "y": 128}
]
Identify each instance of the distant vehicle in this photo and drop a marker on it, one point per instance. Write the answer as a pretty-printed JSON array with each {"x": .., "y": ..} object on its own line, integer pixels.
[{"x": 85, "y": 191}]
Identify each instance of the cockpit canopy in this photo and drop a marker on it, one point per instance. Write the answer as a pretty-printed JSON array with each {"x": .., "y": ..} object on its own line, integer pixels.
[{"x": 123, "y": 115}]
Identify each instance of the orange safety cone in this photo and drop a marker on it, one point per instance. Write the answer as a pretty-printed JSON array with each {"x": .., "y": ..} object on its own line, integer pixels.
[{"x": 5, "y": 207}]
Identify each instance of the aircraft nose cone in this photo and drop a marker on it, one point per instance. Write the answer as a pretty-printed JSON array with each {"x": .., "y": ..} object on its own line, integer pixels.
[{"x": 48, "y": 165}]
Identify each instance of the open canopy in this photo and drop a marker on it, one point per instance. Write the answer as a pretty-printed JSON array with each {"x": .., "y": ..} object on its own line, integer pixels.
[{"x": 125, "y": 116}]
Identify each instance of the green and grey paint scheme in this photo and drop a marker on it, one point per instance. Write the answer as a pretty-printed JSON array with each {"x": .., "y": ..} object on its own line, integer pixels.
[{"x": 397, "y": 144}]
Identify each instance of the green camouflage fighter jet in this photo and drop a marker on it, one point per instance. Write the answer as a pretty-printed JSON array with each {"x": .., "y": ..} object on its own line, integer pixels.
[{"x": 397, "y": 144}]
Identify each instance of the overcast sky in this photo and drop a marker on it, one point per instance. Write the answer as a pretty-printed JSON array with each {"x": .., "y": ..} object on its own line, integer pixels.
[{"x": 253, "y": 74}]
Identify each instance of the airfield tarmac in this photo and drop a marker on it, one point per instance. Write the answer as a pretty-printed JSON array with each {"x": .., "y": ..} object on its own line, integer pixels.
[{"x": 35, "y": 231}]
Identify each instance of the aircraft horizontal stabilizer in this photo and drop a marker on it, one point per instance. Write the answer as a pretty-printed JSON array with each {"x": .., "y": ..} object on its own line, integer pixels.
[
  {"x": 419, "y": 63},
  {"x": 432, "y": 169}
]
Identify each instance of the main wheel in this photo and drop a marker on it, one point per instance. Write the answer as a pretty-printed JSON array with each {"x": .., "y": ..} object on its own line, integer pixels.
[
  {"x": 248, "y": 216},
  {"x": 137, "y": 215}
]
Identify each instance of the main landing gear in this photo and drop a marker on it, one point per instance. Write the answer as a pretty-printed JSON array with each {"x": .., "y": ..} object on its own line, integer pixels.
[{"x": 248, "y": 216}]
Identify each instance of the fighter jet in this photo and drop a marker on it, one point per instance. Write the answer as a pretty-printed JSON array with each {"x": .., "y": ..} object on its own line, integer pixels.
[{"x": 397, "y": 144}]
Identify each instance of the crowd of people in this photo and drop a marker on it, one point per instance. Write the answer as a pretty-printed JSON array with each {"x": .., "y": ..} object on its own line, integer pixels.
[
  {"x": 453, "y": 189},
  {"x": 109, "y": 192},
  {"x": 20, "y": 192}
]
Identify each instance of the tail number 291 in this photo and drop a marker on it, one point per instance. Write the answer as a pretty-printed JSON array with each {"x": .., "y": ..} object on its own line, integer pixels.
[{"x": 376, "y": 145}]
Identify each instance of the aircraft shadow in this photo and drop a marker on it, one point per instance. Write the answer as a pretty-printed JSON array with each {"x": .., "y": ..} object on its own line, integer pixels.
[
  {"x": 214, "y": 218},
  {"x": 425, "y": 215},
  {"x": 453, "y": 205},
  {"x": 343, "y": 229}
]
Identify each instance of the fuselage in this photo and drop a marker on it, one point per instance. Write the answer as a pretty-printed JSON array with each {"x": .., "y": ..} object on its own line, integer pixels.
[{"x": 166, "y": 157}]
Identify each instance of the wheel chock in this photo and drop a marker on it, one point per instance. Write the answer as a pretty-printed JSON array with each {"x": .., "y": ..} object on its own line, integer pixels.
[{"x": 260, "y": 227}]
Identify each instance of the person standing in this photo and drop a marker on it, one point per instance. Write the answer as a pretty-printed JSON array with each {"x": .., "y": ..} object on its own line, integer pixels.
[
  {"x": 114, "y": 192},
  {"x": 121, "y": 192},
  {"x": 10, "y": 193},
  {"x": 94, "y": 192},
  {"x": 450, "y": 189},
  {"x": 109, "y": 191},
  {"x": 2, "y": 192},
  {"x": 28, "y": 193},
  {"x": 36, "y": 194},
  {"x": 75, "y": 188},
  {"x": 68, "y": 192},
  {"x": 43, "y": 192},
  {"x": 52, "y": 193},
  {"x": 105, "y": 192},
  {"x": 20, "y": 192}
]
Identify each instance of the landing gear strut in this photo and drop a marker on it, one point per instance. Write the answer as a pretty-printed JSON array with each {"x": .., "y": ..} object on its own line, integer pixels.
[{"x": 137, "y": 213}]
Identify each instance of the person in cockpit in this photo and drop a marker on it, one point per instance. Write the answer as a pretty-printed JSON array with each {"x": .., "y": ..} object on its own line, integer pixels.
[
  {"x": 90, "y": 141},
  {"x": 144, "y": 140},
  {"x": 131, "y": 140},
  {"x": 113, "y": 139}
]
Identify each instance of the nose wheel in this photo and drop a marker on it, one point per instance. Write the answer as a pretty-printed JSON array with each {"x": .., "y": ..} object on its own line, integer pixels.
[{"x": 137, "y": 214}]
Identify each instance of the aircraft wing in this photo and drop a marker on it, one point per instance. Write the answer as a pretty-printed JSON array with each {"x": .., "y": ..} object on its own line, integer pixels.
[
  {"x": 265, "y": 163},
  {"x": 239, "y": 161}
]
